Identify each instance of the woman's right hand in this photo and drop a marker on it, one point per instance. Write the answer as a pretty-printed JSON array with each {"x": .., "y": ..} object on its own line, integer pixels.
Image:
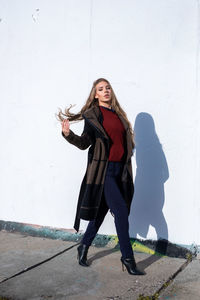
[{"x": 65, "y": 127}]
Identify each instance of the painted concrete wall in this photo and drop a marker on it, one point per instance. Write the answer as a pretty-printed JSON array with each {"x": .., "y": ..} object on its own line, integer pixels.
[{"x": 50, "y": 53}]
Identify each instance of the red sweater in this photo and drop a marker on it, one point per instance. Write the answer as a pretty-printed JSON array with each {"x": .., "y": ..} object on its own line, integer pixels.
[{"x": 115, "y": 130}]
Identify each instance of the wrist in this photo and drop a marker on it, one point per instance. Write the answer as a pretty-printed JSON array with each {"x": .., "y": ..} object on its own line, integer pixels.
[{"x": 66, "y": 133}]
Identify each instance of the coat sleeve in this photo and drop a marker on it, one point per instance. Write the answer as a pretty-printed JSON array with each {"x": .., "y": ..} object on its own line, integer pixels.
[{"x": 83, "y": 141}]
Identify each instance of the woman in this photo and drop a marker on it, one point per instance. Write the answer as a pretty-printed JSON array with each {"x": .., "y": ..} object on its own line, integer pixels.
[{"x": 108, "y": 182}]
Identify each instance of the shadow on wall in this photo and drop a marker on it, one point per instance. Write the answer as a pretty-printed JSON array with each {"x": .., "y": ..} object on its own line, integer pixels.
[{"x": 151, "y": 174}]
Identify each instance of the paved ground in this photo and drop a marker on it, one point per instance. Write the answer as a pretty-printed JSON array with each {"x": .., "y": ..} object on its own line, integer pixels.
[
  {"x": 186, "y": 285},
  {"x": 48, "y": 269}
]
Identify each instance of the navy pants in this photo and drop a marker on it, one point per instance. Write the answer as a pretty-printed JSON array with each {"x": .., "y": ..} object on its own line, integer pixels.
[{"x": 113, "y": 200}]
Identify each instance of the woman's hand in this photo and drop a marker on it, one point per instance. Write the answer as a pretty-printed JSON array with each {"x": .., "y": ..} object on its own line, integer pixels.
[{"x": 65, "y": 127}]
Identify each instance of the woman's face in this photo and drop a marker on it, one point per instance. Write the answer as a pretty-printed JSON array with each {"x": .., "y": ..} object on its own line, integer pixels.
[{"x": 103, "y": 93}]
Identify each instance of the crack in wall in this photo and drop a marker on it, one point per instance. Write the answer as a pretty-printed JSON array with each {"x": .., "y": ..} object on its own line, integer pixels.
[
  {"x": 90, "y": 39},
  {"x": 198, "y": 46}
]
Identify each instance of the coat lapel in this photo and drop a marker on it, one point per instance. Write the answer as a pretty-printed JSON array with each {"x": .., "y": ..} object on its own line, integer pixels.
[
  {"x": 128, "y": 138},
  {"x": 93, "y": 115}
]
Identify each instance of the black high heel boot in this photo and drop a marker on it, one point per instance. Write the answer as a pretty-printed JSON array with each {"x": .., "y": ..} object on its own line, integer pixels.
[
  {"x": 131, "y": 267},
  {"x": 82, "y": 255}
]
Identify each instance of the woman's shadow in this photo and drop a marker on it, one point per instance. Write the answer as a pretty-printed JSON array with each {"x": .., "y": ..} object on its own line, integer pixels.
[{"x": 151, "y": 174}]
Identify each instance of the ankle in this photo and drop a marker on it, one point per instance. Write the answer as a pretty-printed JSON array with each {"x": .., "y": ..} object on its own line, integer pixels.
[
  {"x": 129, "y": 258},
  {"x": 84, "y": 246}
]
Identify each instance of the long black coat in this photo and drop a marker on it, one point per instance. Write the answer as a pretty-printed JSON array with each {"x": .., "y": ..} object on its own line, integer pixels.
[{"x": 91, "y": 191}]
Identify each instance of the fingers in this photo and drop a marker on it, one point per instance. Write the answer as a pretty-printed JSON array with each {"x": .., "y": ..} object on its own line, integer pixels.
[{"x": 65, "y": 125}]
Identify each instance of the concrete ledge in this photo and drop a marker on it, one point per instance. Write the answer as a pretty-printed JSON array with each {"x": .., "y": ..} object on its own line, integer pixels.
[{"x": 160, "y": 247}]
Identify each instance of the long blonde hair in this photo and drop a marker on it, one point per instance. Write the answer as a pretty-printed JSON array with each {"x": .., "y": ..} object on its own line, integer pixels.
[{"x": 92, "y": 101}]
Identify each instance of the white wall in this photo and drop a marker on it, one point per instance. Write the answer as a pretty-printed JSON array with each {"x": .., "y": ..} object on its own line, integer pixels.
[{"x": 50, "y": 53}]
